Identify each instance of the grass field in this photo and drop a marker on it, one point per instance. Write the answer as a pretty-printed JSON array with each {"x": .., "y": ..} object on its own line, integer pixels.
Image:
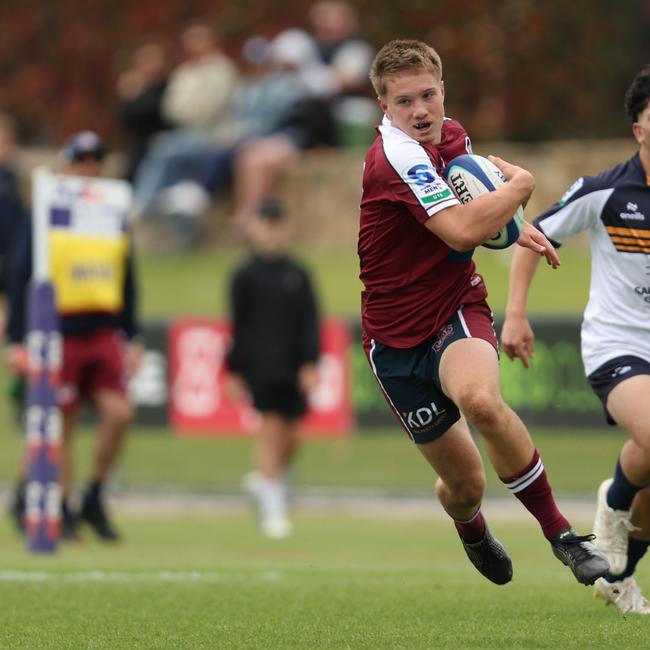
[
  {"x": 340, "y": 582},
  {"x": 197, "y": 578},
  {"x": 196, "y": 283}
]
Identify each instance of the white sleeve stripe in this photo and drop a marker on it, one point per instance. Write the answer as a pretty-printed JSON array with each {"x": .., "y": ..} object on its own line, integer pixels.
[{"x": 442, "y": 205}]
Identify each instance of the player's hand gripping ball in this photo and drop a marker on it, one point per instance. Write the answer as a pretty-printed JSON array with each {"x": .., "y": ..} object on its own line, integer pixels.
[{"x": 470, "y": 176}]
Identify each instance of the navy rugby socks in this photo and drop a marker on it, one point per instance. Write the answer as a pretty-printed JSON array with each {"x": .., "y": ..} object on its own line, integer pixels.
[{"x": 621, "y": 492}]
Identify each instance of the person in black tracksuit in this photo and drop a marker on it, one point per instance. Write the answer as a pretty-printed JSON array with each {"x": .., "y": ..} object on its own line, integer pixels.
[{"x": 275, "y": 345}]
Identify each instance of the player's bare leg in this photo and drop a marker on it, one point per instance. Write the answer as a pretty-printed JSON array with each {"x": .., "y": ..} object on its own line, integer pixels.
[
  {"x": 115, "y": 415},
  {"x": 460, "y": 488},
  {"x": 469, "y": 373},
  {"x": 627, "y": 405}
]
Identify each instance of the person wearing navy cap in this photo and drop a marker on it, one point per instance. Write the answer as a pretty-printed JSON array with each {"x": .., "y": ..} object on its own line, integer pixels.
[{"x": 101, "y": 347}]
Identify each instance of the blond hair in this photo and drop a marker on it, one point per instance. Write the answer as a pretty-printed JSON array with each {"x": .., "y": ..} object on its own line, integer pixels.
[{"x": 403, "y": 55}]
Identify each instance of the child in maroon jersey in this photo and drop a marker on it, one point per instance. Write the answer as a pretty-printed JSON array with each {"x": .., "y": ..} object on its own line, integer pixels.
[{"x": 427, "y": 328}]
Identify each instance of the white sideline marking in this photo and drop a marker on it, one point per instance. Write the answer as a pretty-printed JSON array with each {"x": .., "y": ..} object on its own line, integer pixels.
[{"x": 141, "y": 576}]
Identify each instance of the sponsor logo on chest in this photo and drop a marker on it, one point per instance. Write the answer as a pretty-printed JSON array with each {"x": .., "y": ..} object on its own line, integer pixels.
[{"x": 632, "y": 213}]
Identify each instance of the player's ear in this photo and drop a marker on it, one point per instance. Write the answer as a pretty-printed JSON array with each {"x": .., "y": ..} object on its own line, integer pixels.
[
  {"x": 442, "y": 88},
  {"x": 382, "y": 105},
  {"x": 638, "y": 132}
]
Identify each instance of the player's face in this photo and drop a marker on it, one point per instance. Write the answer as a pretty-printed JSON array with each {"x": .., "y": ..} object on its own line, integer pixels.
[
  {"x": 414, "y": 102},
  {"x": 87, "y": 165}
]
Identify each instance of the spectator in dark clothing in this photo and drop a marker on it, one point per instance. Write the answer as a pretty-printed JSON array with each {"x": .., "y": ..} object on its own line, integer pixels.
[
  {"x": 12, "y": 210},
  {"x": 140, "y": 90},
  {"x": 273, "y": 357}
]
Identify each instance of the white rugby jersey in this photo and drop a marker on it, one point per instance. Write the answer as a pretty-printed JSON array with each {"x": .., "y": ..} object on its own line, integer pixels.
[{"x": 614, "y": 207}]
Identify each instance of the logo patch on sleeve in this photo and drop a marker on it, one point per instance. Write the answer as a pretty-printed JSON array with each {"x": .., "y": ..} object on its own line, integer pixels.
[
  {"x": 427, "y": 185},
  {"x": 571, "y": 191}
]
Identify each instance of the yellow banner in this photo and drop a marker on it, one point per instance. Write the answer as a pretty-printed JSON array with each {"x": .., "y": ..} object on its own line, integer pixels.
[{"x": 87, "y": 272}]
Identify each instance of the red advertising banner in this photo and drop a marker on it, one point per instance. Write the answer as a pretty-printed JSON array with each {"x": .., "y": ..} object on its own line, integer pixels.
[{"x": 198, "y": 404}]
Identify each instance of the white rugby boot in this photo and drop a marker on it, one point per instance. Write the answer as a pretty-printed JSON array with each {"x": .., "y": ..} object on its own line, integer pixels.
[
  {"x": 611, "y": 528},
  {"x": 625, "y": 594}
]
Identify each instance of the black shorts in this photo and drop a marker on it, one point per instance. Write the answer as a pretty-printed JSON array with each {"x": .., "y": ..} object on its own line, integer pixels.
[
  {"x": 612, "y": 373},
  {"x": 282, "y": 398},
  {"x": 409, "y": 379}
]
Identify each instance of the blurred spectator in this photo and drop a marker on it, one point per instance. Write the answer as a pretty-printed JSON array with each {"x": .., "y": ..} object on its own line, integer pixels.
[
  {"x": 273, "y": 357},
  {"x": 197, "y": 104},
  {"x": 280, "y": 108},
  {"x": 12, "y": 210},
  {"x": 140, "y": 90},
  {"x": 348, "y": 56},
  {"x": 308, "y": 123}
]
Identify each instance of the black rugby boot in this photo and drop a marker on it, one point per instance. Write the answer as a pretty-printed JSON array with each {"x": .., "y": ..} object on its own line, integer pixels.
[
  {"x": 490, "y": 558},
  {"x": 580, "y": 555}
]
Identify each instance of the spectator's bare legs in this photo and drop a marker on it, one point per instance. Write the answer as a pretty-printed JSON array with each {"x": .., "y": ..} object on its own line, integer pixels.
[
  {"x": 276, "y": 447},
  {"x": 116, "y": 414},
  {"x": 469, "y": 372},
  {"x": 257, "y": 168},
  {"x": 66, "y": 473},
  {"x": 278, "y": 442}
]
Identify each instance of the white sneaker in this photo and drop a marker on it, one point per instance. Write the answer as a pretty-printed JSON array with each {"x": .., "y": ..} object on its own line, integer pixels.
[
  {"x": 625, "y": 594},
  {"x": 612, "y": 528},
  {"x": 251, "y": 483},
  {"x": 276, "y": 527}
]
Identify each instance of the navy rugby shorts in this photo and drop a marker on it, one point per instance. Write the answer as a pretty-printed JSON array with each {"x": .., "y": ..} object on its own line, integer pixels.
[
  {"x": 612, "y": 373},
  {"x": 409, "y": 378}
]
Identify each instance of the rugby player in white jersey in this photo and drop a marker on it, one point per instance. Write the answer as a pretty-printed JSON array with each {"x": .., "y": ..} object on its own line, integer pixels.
[{"x": 614, "y": 207}]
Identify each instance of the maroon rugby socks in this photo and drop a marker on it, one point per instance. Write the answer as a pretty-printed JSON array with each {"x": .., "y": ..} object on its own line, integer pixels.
[
  {"x": 532, "y": 488},
  {"x": 472, "y": 530}
]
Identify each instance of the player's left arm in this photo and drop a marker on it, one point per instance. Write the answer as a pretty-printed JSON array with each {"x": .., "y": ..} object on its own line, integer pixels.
[{"x": 535, "y": 240}]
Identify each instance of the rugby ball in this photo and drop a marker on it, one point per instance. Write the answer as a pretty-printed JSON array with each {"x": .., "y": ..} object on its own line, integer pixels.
[{"x": 470, "y": 176}]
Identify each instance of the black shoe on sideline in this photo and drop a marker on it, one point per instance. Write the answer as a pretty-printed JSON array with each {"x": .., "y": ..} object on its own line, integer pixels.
[
  {"x": 490, "y": 558},
  {"x": 94, "y": 514},
  {"x": 18, "y": 506},
  {"x": 68, "y": 524},
  {"x": 580, "y": 555}
]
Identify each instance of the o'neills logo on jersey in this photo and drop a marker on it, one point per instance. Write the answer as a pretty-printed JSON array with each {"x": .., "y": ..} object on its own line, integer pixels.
[
  {"x": 633, "y": 213},
  {"x": 424, "y": 418}
]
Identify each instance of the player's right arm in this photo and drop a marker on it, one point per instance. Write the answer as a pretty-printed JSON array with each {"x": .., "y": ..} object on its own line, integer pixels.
[
  {"x": 517, "y": 338},
  {"x": 468, "y": 225}
]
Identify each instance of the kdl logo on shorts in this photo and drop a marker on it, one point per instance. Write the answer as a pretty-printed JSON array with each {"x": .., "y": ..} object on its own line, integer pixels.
[{"x": 425, "y": 416}]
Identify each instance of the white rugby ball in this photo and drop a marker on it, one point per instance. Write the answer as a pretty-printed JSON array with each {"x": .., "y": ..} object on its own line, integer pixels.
[{"x": 470, "y": 176}]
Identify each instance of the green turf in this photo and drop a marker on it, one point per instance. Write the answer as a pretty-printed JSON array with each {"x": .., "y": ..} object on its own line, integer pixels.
[
  {"x": 340, "y": 582},
  {"x": 196, "y": 283}
]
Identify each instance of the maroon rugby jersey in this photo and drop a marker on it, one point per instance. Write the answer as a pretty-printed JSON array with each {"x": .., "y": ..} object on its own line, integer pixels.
[{"x": 413, "y": 282}]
